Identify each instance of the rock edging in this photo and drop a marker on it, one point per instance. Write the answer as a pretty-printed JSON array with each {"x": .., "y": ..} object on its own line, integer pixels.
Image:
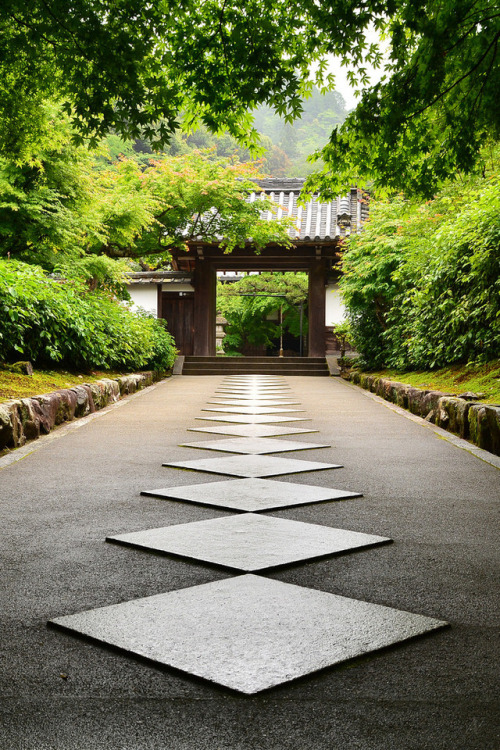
[
  {"x": 27, "y": 418},
  {"x": 474, "y": 421}
]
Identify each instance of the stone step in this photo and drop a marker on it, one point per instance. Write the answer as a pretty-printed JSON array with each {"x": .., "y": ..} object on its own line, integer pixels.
[{"x": 305, "y": 366}]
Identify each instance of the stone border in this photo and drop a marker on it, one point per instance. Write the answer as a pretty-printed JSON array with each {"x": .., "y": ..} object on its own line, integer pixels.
[
  {"x": 477, "y": 422},
  {"x": 26, "y": 419}
]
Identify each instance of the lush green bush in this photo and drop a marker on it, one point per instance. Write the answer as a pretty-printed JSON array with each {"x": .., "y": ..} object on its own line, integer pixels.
[
  {"x": 49, "y": 321},
  {"x": 422, "y": 282}
]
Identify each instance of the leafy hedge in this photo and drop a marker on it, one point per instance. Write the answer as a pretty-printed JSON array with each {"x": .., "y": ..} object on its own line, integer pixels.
[
  {"x": 422, "y": 282},
  {"x": 48, "y": 322}
]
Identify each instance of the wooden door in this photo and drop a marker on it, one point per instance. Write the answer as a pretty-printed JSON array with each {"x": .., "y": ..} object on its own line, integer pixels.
[{"x": 178, "y": 311}]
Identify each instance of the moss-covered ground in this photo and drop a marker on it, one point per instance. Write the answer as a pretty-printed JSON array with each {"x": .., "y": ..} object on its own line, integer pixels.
[
  {"x": 455, "y": 379},
  {"x": 14, "y": 385}
]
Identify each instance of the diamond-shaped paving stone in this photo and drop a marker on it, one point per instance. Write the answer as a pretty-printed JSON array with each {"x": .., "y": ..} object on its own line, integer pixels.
[
  {"x": 254, "y": 396},
  {"x": 255, "y": 385},
  {"x": 255, "y": 446},
  {"x": 251, "y": 466},
  {"x": 252, "y": 430},
  {"x": 251, "y": 410},
  {"x": 249, "y": 542},
  {"x": 251, "y": 495},
  {"x": 253, "y": 418},
  {"x": 253, "y": 402},
  {"x": 247, "y": 633}
]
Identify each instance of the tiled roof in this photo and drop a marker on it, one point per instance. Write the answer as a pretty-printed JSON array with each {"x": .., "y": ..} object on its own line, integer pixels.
[{"x": 316, "y": 220}]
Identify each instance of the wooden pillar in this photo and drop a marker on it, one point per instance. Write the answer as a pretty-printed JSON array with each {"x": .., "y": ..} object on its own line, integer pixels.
[
  {"x": 317, "y": 299},
  {"x": 159, "y": 311},
  {"x": 205, "y": 291}
]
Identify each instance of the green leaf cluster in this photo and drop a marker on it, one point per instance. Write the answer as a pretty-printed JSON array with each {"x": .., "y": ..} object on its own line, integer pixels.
[
  {"x": 61, "y": 322},
  {"x": 63, "y": 204},
  {"x": 422, "y": 281}
]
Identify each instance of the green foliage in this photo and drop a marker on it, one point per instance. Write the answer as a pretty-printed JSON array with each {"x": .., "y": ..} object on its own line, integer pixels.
[
  {"x": 436, "y": 106},
  {"x": 252, "y": 320},
  {"x": 422, "y": 282},
  {"x": 64, "y": 203},
  {"x": 134, "y": 68},
  {"x": 51, "y": 322}
]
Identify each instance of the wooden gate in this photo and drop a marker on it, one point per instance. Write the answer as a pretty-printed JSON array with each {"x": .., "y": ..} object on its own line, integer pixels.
[{"x": 178, "y": 311}]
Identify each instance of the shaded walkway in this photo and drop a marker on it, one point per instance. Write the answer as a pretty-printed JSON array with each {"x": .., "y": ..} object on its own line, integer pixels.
[{"x": 438, "y": 503}]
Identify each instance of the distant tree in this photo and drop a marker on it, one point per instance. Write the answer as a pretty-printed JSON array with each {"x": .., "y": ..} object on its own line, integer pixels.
[{"x": 276, "y": 163}]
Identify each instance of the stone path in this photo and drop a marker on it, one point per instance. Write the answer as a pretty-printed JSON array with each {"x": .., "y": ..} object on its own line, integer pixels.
[
  {"x": 71, "y": 490},
  {"x": 248, "y": 633}
]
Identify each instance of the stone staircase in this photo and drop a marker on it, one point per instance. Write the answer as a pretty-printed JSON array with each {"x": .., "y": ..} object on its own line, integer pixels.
[{"x": 308, "y": 366}]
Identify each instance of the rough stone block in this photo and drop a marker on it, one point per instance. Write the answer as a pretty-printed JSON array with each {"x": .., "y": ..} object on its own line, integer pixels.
[
  {"x": 484, "y": 425},
  {"x": 453, "y": 414},
  {"x": 6, "y": 427},
  {"x": 84, "y": 400},
  {"x": 29, "y": 419}
]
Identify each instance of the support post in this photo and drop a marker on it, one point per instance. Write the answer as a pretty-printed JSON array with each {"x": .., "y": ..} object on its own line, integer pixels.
[
  {"x": 205, "y": 291},
  {"x": 159, "y": 311},
  {"x": 317, "y": 299}
]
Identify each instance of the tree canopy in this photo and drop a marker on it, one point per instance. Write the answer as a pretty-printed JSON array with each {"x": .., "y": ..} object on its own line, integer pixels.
[
  {"x": 135, "y": 67},
  {"x": 64, "y": 205}
]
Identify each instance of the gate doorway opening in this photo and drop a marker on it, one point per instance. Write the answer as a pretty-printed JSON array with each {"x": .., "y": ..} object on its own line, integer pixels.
[{"x": 262, "y": 314}]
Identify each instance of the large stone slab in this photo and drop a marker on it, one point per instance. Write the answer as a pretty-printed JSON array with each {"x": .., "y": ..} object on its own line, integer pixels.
[
  {"x": 252, "y": 430},
  {"x": 254, "y": 445},
  {"x": 251, "y": 466},
  {"x": 252, "y": 494},
  {"x": 247, "y": 633},
  {"x": 252, "y": 418},
  {"x": 251, "y": 410},
  {"x": 253, "y": 402},
  {"x": 270, "y": 389},
  {"x": 249, "y": 542}
]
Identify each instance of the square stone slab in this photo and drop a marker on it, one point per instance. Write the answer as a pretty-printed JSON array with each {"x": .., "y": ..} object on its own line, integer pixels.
[
  {"x": 243, "y": 401},
  {"x": 251, "y": 409},
  {"x": 255, "y": 382},
  {"x": 253, "y": 418},
  {"x": 255, "y": 385},
  {"x": 248, "y": 542},
  {"x": 253, "y": 445},
  {"x": 251, "y": 466},
  {"x": 251, "y": 495},
  {"x": 268, "y": 390},
  {"x": 252, "y": 430},
  {"x": 247, "y": 633}
]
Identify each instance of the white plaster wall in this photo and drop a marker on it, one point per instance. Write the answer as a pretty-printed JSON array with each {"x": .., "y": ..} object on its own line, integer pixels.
[
  {"x": 334, "y": 305},
  {"x": 145, "y": 296}
]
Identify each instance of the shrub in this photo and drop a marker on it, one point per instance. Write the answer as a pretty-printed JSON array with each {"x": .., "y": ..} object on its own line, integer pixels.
[{"x": 57, "y": 322}]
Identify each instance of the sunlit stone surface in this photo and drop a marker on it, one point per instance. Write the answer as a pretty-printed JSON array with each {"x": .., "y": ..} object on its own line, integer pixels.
[
  {"x": 248, "y": 542},
  {"x": 251, "y": 466},
  {"x": 252, "y": 430},
  {"x": 247, "y": 633},
  {"x": 254, "y": 445},
  {"x": 251, "y": 494}
]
